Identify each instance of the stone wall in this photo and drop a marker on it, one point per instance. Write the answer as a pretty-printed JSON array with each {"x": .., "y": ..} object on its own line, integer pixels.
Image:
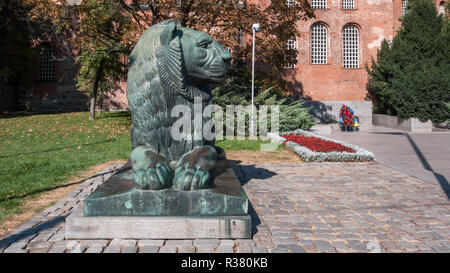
[
  {"x": 62, "y": 95},
  {"x": 325, "y": 112},
  {"x": 411, "y": 125}
]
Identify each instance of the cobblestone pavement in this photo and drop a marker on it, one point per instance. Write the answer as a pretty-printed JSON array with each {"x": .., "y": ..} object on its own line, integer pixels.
[{"x": 315, "y": 207}]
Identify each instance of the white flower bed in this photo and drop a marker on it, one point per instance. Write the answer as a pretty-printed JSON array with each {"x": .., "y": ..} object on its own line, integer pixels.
[{"x": 310, "y": 156}]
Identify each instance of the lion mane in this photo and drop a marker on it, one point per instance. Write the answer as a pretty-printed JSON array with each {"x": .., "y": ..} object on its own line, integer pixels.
[{"x": 157, "y": 81}]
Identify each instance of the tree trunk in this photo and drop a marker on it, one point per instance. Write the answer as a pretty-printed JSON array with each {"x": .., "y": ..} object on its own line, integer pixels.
[
  {"x": 92, "y": 107},
  {"x": 98, "y": 77},
  {"x": 100, "y": 104}
]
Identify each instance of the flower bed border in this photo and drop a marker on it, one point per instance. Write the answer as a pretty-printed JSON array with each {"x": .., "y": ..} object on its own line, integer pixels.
[{"x": 310, "y": 156}]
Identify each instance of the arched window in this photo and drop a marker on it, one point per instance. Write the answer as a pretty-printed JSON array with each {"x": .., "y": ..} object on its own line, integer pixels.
[
  {"x": 318, "y": 44},
  {"x": 46, "y": 64},
  {"x": 350, "y": 47},
  {"x": 290, "y": 3},
  {"x": 291, "y": 45},
  {"x": 348, "y": 4},
  {"x": 442, "y": 8},
  {"x": 404, "y": 5},
  {"x": 319, "y": 4}
]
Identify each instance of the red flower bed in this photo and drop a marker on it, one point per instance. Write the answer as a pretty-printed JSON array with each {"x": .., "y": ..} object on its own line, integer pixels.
[{"x": 317, "y": 145}]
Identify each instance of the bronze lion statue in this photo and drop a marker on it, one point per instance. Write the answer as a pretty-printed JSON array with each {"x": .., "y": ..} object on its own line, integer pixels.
[{"x": 172, "y": 65}]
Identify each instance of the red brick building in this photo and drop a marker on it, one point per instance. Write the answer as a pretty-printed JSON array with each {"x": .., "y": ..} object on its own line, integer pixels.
[{"x": 333, "y": 49}]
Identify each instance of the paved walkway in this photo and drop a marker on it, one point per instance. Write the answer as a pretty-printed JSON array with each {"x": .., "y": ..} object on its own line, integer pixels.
[
  {"x": 315, "y": 207},
  {"x": 426, "y": 156}
]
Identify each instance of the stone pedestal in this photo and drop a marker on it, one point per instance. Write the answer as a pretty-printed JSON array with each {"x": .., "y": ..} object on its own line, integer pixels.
[
  {"x": 157, "y": 227},
  {"x": 117, "y": 209}
]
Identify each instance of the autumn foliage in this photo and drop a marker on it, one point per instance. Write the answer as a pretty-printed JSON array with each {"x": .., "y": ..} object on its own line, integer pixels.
[{"x": 99, "y": 34}]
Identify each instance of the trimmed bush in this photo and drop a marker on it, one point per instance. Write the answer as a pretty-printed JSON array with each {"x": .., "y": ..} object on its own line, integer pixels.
[{"x": 236, "y": 90}]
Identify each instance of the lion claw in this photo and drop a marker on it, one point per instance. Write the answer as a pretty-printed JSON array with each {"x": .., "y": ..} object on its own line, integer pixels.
[
  {"x": 156, "y": 178},
  {"x": 186, "y": 179}
]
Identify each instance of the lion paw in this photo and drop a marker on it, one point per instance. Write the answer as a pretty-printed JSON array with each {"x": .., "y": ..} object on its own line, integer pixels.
[
  {"x": 157, "y": 178},
  {"x": 152, "y": 170},
  {"x": 186, "y": 178}
]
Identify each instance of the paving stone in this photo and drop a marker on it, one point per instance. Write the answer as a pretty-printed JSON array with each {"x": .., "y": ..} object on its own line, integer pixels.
[
  {"x": 284, "y": 241},
  {"x": 244, "y": 249},
  {"x": 341, "y": 246},
  {"x": 142, "y": 243},
  {"x": 205, "y": 249},
  {"x": 178, "y": 243},
  {"x": 207, "y": 242},
  {"x": 168, "y": 249},
  {"x": 38, "y": 250},
  {"x": 123, "y": 243},
  {"x": 57, "y": 236},
  {"x": 186, "y": 249},
  {"x": 296, "y": 249},
  {"x": 16, "y": 251},
  {"x": 441, "y": 249},
  {"x": 356, "y": 245},
  {"x": 45, "y": 236},
  {"x": 248, "y": 242},
  {"x": 149, "y": 249},
  {"x": 15, "y": 247},
  {"x": 280, "y": 250},
  {"x": 57, "y": 249},
  {"x": 130, "y": 249},
  {"x": 113, "y": 249},
  {"x": 94, "y": 249},
  {"x": 225, "y": 249},
  {"x": 94, "y": 243},
  {"x": 390, "y": 246},
  {"x": 324, "y": 246},
  {"x": 39, "y": 244},
  {"x": 227, "y": 243},
  {"x": 259, "y": 249},
  {"x": 69, "y": 244},
  {"x": 79, "y": 248}
]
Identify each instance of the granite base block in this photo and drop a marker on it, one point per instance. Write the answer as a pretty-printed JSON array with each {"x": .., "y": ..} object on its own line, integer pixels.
[{"x": 157, "y": 227}]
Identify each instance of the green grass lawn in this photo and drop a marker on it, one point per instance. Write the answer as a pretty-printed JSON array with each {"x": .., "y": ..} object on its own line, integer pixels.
[
  {"x": 39, "y": 152},
  {"x": 253, "y": 145}
]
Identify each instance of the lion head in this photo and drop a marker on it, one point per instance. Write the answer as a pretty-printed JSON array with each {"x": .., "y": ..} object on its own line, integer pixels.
[
  {"x": 205, "y": 59},
  {"x": 185, "y": 60}
]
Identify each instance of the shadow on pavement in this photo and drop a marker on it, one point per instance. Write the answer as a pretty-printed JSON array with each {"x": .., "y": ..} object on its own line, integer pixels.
[
  {"x": 10, "y": 239},
  {"x": 387, "y": 133},
  {"x": 246, "y": 173},
  {"x": 440, "y": 178},
  {"x": 256, "y": 221}
]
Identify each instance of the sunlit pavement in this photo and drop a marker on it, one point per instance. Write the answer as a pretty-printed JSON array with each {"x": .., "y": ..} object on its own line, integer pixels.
[{"x": 295, "y": 207}]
